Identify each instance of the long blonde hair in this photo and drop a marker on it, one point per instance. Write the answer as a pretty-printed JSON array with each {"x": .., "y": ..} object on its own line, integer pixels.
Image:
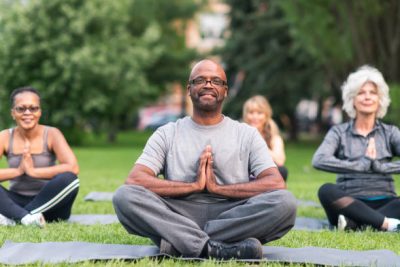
[{"x": 270, "y": 128}]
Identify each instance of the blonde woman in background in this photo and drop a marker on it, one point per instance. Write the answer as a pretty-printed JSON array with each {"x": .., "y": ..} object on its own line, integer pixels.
[{"x": 257, "y": 112}]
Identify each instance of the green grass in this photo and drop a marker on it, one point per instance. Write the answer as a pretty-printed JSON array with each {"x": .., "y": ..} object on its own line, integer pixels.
[{"x": 104, "y": 167}]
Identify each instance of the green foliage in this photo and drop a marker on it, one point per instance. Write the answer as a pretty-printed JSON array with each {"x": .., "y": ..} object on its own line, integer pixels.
[
  {"x": 343, "y": 35},
  {"x": 290, "y": 50},
  {"x": 95, "y": 62},
  {"x": 393, "y": 114},
  {"x": 260, "y": 46},
  {"x": 328, "y": 39}
]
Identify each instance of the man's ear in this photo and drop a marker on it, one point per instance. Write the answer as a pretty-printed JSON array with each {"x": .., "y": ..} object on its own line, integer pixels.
[{"x": 188, "y": 89}]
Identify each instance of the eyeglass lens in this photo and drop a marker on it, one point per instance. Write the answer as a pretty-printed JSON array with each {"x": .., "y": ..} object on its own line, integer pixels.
[
  {"x": 203, "y": 81},
  {"x": 32, "y": 109}
]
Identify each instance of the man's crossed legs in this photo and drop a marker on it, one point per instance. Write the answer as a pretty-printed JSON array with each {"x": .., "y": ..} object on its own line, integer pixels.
[{"x": 205, "y": 226}]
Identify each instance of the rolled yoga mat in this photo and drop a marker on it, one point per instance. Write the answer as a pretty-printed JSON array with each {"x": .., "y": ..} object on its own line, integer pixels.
[
  {"x": 311, "y": 224},
  {"x": 89, "y": 219},
  {"x": 99, "y": 196}
]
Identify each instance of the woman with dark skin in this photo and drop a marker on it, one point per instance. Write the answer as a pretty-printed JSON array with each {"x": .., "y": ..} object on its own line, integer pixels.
[
  {"x": 40, "y": 190},
  {"x": 360, "y": 152}
]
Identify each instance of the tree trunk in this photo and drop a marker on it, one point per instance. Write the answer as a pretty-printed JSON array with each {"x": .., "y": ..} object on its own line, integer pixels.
[
  {"x": 112, "y": 134},
  {"x": 293, "y": 129}
]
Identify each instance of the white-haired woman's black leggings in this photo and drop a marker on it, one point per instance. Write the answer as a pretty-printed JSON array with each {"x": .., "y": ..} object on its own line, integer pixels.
[
  {"x": 361, "y": 212},
  {"x": 54, "y": 200}
]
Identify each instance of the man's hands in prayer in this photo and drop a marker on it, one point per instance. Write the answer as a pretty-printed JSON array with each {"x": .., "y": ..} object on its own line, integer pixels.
[
  {"x": 205, "y": 175},
  {"x": 201, "y": 172}
]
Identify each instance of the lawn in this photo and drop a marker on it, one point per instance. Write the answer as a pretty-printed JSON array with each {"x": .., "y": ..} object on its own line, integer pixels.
[{"x": 104, "y": 168}]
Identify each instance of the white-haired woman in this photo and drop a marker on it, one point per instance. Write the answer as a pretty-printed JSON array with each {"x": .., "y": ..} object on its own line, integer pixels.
[{"x": 360, "y": 152}]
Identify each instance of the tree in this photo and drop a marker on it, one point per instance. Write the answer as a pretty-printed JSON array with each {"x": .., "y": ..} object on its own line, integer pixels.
[
  {"x": 95, "y": 62},
  {"x": 261, "y": 47},
  {"x": 294, "y": 49},
  {"x": 347, "y": 34}
]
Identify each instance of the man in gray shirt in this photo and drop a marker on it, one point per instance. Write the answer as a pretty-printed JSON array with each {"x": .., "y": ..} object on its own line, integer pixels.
[{"x": 205, "y": 205}]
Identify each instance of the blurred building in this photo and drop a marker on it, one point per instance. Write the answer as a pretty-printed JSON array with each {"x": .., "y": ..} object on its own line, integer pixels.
[
  {"x": 208, "y": 29},
  {"x": 306, "y": 114}
]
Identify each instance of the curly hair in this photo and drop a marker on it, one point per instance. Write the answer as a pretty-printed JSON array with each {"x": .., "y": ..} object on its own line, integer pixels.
[{"x": 354, "y": 83}]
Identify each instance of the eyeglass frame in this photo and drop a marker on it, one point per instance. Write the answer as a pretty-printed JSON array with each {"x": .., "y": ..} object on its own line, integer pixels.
[
  {"x": 224, "y": 83},
  {"x": 23, "y": 109}
]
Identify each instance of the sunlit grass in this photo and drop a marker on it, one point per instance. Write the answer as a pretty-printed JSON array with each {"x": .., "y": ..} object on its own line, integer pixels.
[{"x": 104, "y": 167}]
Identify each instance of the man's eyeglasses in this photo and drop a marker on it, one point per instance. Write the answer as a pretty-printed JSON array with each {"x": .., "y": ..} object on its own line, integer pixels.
[
  {"x": 204, "y": 81},
  {"x": 22, "y": 109}
]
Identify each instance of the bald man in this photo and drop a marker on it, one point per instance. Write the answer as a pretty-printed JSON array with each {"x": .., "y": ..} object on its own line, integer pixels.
[{"x": 206, "y": 205}]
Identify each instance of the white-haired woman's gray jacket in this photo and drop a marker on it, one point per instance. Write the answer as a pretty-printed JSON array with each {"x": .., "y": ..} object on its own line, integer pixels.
[{"x": 343, "y": 152}]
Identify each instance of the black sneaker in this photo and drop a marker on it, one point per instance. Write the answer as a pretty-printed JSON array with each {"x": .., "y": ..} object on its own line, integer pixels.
[
  {"x": 249, "y": 248},
  {"x": 168, "y": 249}
]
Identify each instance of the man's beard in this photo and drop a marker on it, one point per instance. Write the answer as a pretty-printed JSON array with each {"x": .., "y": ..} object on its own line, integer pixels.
[{"x": 206, "y": 106}]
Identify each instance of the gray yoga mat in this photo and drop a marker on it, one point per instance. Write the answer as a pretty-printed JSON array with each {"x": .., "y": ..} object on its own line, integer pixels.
[
  {"x": 89, "y": 219},
  {"x": 99, "y": 196},
  {"x": 25, "y": 253},
  {"x": 311, "y": 224},
  {"x": 308, "y": 203}
]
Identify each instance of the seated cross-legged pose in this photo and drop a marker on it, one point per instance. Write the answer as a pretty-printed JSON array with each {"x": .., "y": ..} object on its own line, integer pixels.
[
  {"x": 360, "y": 152},
  {"x": 257, "y": 112},
  {"x": 40, "y": 190},
  {"x": 206, "y": 205}
]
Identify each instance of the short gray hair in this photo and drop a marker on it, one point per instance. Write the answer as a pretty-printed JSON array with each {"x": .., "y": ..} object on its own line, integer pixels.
[{"x": 354, "y": 83}]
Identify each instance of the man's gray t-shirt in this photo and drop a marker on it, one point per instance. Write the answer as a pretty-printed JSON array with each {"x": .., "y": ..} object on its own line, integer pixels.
[{"x": 238, "y": 150}]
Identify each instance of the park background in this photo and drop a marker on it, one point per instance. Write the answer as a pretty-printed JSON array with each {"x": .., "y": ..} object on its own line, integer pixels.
[{"x": 102, "y": 66}]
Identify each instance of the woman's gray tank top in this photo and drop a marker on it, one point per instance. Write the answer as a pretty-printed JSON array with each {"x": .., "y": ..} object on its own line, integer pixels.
[{"x": 24, "y": 184}]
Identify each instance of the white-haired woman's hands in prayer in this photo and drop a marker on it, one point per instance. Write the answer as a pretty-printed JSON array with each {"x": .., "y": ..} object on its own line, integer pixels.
[{"x": 371, "y": 149}]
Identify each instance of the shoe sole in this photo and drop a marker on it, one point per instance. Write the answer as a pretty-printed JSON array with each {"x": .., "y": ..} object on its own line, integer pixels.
[{"x": 341, "y": 226}]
